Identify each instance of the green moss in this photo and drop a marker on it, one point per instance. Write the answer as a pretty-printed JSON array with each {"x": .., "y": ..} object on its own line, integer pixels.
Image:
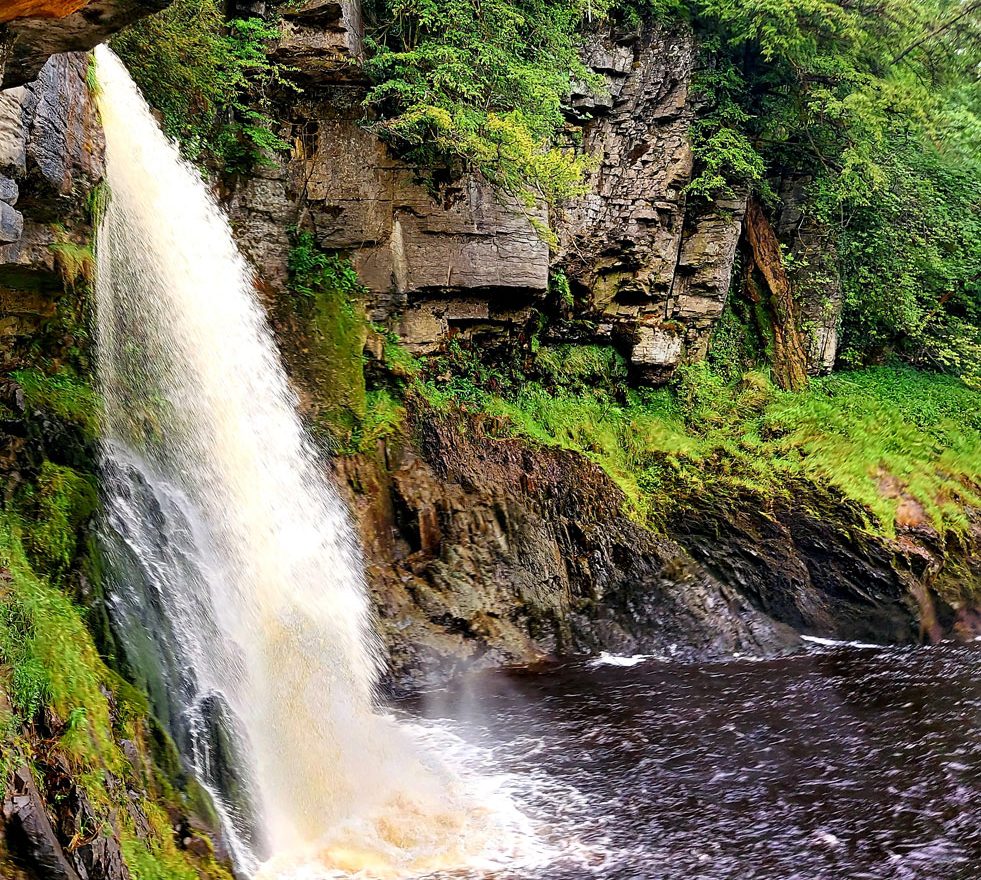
[
  {"x": 63, "y": 395},
  {"x": 48, "y": 655},
  {"x": 159, "y": 858},
  {"x": 76, "y": 262},
  {"x": 398, "y": 359},
  {"x": 384, "y": 417},
  {"x": 53, "y": 509},
  {"x": 329, "y": 303}
]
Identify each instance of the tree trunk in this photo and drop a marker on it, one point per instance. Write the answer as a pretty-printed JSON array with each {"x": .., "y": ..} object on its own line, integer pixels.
[{"x": 789, "y": 350}]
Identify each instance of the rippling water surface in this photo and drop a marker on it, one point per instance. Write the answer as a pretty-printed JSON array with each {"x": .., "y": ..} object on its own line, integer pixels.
[{"x": 846, "y": 763}]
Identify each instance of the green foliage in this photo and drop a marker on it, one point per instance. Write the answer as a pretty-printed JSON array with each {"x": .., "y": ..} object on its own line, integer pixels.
[
  {"x": 210, "y": 79},
  {"x": 734, "y": 347},
  {"x": 76, "y": 262},
  {"x": 384, "y": 417},
  {"x": 311, "y": 270},
  {"x": 330, "y": 304},
  {"x": 158, "y": 857},
  {"x": 727, "y": 159},
  {"x": 53, "y": 508},
  {"x": 858, "y": 432},
  {"x": 48, "y": 654},
  {"x": 911, "y": 261},
  {"x": 467, "y": 84},
  {"x": 879, "y": 103},
  {"x": 579, "y": 367},
  {"x": 63, "y": 396}
]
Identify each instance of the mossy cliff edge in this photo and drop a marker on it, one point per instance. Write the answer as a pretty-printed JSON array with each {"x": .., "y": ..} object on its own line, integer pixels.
[{"x": 92, "y": 786}]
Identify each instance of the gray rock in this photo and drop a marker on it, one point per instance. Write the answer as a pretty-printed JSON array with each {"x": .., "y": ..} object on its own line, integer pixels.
[
  {"x": 29, "y": 825},
  {"x": 13, "y": 135},
  {"x": 9, "y": 191},
  {"x": 11, "y": 224},
  {"x": 64, "y": 142}
]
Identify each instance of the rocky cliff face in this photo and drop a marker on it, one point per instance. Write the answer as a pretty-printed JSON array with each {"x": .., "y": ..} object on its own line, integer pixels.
[
  {"x": 482, "y": 552},
  {"x": 485, "y": 551},
  {"x": 649, "y": 267}
]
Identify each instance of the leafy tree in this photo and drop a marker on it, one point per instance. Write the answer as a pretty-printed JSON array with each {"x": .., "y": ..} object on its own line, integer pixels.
[{"x": 210, "y": 79}]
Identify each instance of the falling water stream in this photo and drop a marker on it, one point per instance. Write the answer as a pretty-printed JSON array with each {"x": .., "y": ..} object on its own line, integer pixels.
[{"x": 240, "y": 595}]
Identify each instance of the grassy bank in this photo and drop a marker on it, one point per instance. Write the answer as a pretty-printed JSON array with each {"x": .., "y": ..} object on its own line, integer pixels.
[{"x": 882, "y": 436}]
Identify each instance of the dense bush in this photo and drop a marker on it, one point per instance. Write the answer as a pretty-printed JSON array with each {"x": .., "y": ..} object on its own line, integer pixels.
[
  {"x": 462, "y": 83},
  {"x": 210, "y": 79}
]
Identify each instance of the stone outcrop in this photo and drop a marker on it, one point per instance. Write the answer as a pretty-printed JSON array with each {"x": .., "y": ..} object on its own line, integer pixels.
[
  {"x": 813, "y": 272},
  {"x": 809, "y": 560},
  {"x": 652, "y": 269},
  {"x": 38, "y": 29},
  {"x": 51, "y": 157},
  {"x": 481, "y": 551},
  {"x": 466, "y": 259},
  {"x": 649, "y": 269}
]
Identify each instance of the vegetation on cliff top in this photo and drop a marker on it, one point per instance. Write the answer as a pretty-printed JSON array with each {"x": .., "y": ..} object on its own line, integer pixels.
[
  {"x": 878, "y": 105},
  {"x": 482, "y": 85},
  {"x": 210, "y": 78}
]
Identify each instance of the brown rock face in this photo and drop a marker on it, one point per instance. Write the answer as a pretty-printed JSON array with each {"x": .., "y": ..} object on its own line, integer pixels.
[
  {"x": 63, "y": 26},
  {"x": 482, "y": 551},
  {"x": 39, "y": 9}
]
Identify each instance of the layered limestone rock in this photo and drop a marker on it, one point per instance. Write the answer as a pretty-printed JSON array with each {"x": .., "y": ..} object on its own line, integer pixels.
[
  {"x": 652, "y": 269},
  {"x": 465, "y": 259}
]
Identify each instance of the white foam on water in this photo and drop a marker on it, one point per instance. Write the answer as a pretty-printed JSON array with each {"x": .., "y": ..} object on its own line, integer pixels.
[
  {"x": 836, "y": 643},
  {"x": 607, "y": 659}
]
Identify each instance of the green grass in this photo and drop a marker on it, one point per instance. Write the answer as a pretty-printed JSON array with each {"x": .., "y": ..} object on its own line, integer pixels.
[
  {"x": 857, "y": 433},
  {"x": 48, "y": 657}
]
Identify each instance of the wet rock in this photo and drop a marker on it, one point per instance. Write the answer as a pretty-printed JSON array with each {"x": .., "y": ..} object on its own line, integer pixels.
[
  {"x": 813, "y": 563},
  {"x": 64, "y": 144},
  {"x": 9, "y": 191},
  {"x": 94, "y": 853},
  {"x": 30, "y": 832},
  {"x": 482, "y": 551}
]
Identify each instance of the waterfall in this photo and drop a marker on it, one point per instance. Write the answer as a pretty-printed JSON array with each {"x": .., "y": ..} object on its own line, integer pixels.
[{"x": 238, "y": 588}]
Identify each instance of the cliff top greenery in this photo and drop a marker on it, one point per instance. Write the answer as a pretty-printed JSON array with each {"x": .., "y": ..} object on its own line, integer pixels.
[{"x": 901, "y": 443}]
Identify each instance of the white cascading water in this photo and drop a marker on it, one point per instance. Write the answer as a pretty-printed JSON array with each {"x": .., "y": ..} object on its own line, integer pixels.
[{"x": 239, "y": 589}]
